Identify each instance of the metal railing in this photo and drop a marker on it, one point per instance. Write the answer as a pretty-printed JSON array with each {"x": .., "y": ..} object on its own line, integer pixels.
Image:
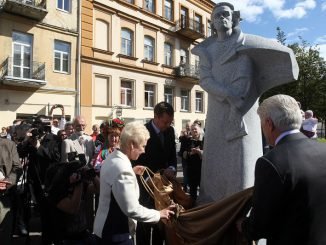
[
  {"x": 189, "y": 23},
  {"x": 13, "y": 68},
  {"x": 34, "y": 3},
  {"x": 187, "y": 70}
]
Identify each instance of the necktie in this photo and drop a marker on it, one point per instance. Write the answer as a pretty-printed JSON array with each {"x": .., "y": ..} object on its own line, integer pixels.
[{"x": 161, "y": 136}]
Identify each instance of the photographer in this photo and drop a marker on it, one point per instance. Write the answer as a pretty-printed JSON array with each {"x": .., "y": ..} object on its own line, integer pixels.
[
  {"x": 56, "y": 125},
  {"x": 67, "y": 187},
  {"x": 40, "y": 149}
]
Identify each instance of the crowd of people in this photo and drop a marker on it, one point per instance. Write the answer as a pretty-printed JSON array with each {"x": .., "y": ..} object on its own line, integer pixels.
[
  {"x": 55, "y": 167},
  {"x": 59, "y": 168}
]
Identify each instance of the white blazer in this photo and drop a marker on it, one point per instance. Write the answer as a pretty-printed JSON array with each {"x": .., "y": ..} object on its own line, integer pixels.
[{"x": 118, "y": 177}]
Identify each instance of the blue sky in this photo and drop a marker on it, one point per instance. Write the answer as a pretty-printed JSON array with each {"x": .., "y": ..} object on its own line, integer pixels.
[{"x": 305, "y": 18}]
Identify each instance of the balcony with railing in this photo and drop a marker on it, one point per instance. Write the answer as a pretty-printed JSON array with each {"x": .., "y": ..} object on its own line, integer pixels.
[
  {"x": 34, "y": 9},
  {"x": 190, "y": 28},
  {"x": 187, "y": 73},
  {"x": 22, "y": 73}
]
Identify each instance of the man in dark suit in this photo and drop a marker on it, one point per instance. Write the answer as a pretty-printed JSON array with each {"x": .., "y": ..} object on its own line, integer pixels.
[
  {"x": 10, "y": 171},
  {"x": 289, "y": 200},
  {"x": 160, "y": 154}
]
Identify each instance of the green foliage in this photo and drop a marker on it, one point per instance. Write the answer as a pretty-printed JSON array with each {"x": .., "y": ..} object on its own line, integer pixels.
[
  {"x": 322, "y": 140},
  {"x": 310, "y": 88}
]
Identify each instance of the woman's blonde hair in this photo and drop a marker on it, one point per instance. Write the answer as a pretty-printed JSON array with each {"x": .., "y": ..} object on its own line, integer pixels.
[{"x": 135, "y": 133}]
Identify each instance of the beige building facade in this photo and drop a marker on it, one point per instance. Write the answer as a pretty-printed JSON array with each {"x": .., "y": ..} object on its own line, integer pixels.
[
  {"x": 38, "y": 58},
  {"x": 136, "y": 53}
]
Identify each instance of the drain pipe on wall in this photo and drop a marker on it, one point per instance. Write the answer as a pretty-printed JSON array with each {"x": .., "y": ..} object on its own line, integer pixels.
[{"x": 78, "y": 75}]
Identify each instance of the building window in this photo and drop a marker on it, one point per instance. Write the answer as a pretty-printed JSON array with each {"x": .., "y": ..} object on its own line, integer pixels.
[
  {"x": 101, "y": 91},
  {"x": 168, "y": 95},
  {"x": 184, "y": 17},
  {"x": 102, "y": 35},
  {"x": 126, "y": 42},
  {"x": 127, "y": 93},
  {"x": 199, "y": 102},
  {"x": 196, "y": 62},
  {"x": 22, "y": 55},
  {"x": 198, "y": 23},
  {"x": 183, "y": 56},
  {"x": 209, "y": 28},
  {"x": 64, "y": 5},
  {"x": 168, "y": 9},
  {"x": 168, "y": 54},
  {"x": 150, "y": 5},
  {"x": 149, "y": 48},
  {"x": 149, "y": 95},
  {"x": 184, "y": 100},
  {"x": 61, "y": 56}
]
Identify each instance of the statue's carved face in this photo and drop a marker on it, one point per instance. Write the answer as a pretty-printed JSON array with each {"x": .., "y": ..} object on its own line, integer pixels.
[{"x": 222, "y": 18}]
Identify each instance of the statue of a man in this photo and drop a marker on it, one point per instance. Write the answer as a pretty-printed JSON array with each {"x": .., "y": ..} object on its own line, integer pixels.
[{"x": 235, "y": 69}]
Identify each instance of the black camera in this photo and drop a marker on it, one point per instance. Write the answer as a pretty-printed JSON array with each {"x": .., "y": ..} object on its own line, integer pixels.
[
  {"x": 73, "y": 156},
  {"x": 87, "y": 174}
]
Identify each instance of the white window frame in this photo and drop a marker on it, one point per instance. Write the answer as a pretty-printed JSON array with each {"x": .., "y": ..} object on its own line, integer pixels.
[
  {"x": 150, "y": 5},
  {"x": 185, "y": 100},
  {"x": 184, "y": 54},
  {"x": 169, "y": 97},
  {"x": 127, "y": 44},
  {"x": 149, "y": 48},
  {"x": 62, "y": 8},
  {"x": 23, "y": 43},
  {"x": 198, "y": 23},
  {"x": 63, "y": 55},
  {"x": 168, "y": 11},
  {"x": 128, "y": 93},
  {"x": 199, "y": 101},
  {"x": 168, "y": 54},
  {"x": 149, "y": 95},
  {"x": 209, "y": 28}
]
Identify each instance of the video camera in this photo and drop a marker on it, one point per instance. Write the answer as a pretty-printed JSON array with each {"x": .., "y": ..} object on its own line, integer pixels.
[{"x": 85, "y": 172}]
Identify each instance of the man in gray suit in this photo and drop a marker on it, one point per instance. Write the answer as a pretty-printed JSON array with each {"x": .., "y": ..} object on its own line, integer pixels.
[
  {"x": 10, "y": 171},
  {"x": 289, "y": 200},
  {"x": 78, "y": 142}
]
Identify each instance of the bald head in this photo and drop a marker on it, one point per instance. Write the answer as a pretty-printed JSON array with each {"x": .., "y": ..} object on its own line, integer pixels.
[{"x": 79, "y": 123}]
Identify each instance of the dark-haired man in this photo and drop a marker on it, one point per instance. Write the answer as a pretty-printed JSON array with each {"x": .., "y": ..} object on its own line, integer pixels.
[{"x": 160, "y": 154}]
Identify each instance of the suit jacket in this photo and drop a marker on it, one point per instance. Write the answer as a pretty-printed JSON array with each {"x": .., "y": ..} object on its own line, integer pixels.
[
  {"x": 119, "y": 193},
  {"x": 72, "y": 145},
  {"x": 158, "y": 156},
  {"x": 10, "y": 165},
  {"x": 289, "y": 200}
]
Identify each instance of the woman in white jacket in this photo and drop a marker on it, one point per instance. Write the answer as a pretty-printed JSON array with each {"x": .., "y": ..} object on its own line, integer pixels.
[{"x": 119, "y": 207}]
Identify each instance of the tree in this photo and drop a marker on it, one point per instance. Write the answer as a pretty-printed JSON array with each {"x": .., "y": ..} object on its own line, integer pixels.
[{"x": 310, "y": 88}]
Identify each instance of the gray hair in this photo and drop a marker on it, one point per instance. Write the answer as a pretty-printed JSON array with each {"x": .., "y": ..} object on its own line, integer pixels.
[
  {"x": 283, "y": 110},
  {"x": 309, "y": 113},
  {"x": 134, "y": 132}
]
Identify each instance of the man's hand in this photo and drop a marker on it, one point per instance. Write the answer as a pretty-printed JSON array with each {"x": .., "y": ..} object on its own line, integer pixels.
[{"x": 4, "y": 184}]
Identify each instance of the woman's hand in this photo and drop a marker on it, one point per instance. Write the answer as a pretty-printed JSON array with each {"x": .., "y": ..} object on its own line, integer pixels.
[
  {"x": 166, "y": 213},
  {"x": 139, "y": 169}
]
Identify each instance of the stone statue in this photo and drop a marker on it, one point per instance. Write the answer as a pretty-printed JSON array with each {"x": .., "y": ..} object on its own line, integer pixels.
[{"x": 235, "y": 69}]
